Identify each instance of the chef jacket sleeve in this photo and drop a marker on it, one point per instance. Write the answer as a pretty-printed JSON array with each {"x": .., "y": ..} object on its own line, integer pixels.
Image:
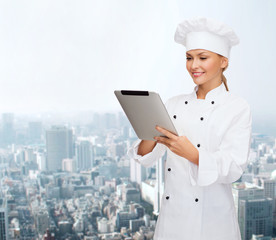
[
  {"x": 227, "y": 164},
  {"x": 149, "y": 159}
]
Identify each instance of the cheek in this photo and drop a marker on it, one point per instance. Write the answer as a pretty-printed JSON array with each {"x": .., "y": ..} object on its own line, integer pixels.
[
  {"x": 188, "y": 66},
  {"x": 210, "y": 66}
]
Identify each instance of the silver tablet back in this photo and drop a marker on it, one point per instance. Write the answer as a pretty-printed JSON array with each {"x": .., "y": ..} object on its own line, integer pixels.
[{"x": 145, "y": 110}]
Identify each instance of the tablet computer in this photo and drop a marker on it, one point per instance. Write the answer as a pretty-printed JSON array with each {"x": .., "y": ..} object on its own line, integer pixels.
[{"x": 145, "y": 110}]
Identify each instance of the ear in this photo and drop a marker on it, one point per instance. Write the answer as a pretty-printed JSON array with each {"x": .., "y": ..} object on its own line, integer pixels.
[{"x": 224, "y": 62}]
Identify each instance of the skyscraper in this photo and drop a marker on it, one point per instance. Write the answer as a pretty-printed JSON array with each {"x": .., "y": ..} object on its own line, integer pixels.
[
  {"x": 137, "y": 172},
  {"x": 254, "y": 210},
  {"x": 3, "y": 220},
  {"x": 246, "y": 191},
  {"x": 7, "y": 129},
  {"x": 42, "y": 221},
  {"x": 84, "y": 154},
  {"x": 59, "y": 145},
  {"x": 255, "y": 217},
  {"x": 270, "y": 191}
]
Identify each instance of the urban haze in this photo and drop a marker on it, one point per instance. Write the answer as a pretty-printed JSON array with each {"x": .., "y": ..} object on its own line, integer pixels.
[
  {"x": 69, "y": 177},
  {"x": 64, "y": 169}
]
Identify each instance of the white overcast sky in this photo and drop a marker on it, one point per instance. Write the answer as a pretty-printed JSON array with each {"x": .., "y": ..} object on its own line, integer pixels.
[{"x": 68, "y": 55}]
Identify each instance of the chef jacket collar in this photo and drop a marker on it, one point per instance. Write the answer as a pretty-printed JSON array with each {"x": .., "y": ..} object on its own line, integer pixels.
[{"x": 213, "y": 94}]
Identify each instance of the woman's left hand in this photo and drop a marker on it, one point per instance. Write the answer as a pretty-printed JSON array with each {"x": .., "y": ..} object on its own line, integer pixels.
[{"x": 180, "y": 145}]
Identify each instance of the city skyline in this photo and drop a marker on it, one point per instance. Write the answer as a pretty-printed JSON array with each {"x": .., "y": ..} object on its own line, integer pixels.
[
  {"x": 260, "y": 124},
  {"x": 75, "y": 181}
]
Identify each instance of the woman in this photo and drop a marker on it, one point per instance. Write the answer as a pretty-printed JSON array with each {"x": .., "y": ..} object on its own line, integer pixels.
[{"x": 212, "y": 148}]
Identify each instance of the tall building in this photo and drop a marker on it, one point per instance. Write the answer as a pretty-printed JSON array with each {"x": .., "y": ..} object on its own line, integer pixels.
[
  {"x": 104, "y": 226},
  {"x": 3, "y": 220},
  {"x": 41, "y": 161},
  {"x": 8, "y": 134},
  {"x": 123, "y": 218},
  {"x": 254, "y": 210},
  {"x": 84, "y": 154},
  {"x": 42, "y": 221},
  {"x": 30, "y": 155},
  {"x": 59, "y": 145},
  {"x": 137, "y": 172},
  {"x": 270, "y": 191},
  {"x": 269, "y": 185},
  {"x": 255, "y": 217},
  {"x": 246, "y": 191}
]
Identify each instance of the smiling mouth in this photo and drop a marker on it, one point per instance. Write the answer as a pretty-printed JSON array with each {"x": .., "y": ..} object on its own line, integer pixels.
[{"x": 197, "y": 74}]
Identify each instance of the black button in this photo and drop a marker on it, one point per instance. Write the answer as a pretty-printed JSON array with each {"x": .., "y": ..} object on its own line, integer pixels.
[
  {"x": 174, "y": 116},
  {"x": 169, "y": 169},
  {"x": 212, "y": 102},
  {"x": 167, "y": 197},
  {"x": 196, "y": 199},
  {"x": 201, "y": 118},
  {"x": 198, "y": 145},
  {"x": 186, "y": 102}
]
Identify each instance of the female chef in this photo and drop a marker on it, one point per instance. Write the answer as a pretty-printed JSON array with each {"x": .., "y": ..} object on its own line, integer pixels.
[{"x": 212, "y": 149}]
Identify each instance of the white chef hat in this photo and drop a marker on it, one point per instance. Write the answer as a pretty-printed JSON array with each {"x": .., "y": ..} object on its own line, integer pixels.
[{"x": 206, "y": 33}]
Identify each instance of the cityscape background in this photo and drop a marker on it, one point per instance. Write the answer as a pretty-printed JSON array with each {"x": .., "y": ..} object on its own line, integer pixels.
[
  {"x": 66, "y": 178},
  {"x": 64, "y": 172}
]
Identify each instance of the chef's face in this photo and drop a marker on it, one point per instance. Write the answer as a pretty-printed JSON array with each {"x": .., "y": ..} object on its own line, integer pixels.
[{"x": 205, "y": 66}]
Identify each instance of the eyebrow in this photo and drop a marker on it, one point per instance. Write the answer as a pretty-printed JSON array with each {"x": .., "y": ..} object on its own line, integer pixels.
[{"x": 197, "y": 54}]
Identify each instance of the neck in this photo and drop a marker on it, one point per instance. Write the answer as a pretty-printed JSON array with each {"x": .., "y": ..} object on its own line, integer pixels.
[{"x": 203, "y": 89}]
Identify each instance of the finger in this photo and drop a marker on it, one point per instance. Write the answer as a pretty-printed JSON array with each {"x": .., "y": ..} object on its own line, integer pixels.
[
  {"x": 166, "y": 132},
  {"x": 163, "y": 140},
  {"x": 164, "y": 143}
]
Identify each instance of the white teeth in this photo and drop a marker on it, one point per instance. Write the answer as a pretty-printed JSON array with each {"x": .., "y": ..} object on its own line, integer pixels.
[{"x": 197, "y": 74}]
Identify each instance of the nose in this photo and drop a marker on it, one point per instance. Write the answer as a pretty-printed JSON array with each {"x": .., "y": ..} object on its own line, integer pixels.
[{"x": 195, "y": 64}]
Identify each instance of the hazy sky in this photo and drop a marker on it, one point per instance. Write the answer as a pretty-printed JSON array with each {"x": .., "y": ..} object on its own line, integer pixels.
[{"x": 63, "y": 55}]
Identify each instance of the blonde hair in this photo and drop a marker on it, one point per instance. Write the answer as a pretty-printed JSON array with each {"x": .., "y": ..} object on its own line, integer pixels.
[{"x": 224, "y": 80}]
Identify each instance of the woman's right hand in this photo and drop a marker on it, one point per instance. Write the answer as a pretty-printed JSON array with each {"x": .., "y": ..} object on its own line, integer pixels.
[{"x": 145, "y": 147}]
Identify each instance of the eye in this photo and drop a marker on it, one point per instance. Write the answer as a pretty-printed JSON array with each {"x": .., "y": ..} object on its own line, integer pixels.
[
  {"x": 188, "y": 58},
  {"x": 203, "y": 58}
]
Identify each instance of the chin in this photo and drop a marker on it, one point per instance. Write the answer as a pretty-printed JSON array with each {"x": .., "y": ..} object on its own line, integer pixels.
[{"x": 199, "y": 82}]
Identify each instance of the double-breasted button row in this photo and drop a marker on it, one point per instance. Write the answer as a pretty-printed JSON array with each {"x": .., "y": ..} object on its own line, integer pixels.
[
  {"x": 167, "y": 197},
  {"x": 186, "y": 102},
  {"x": 174, "y": 116}
]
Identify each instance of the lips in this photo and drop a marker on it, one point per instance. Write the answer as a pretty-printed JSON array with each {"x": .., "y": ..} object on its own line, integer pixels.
[{"x": 197, "y": 74}]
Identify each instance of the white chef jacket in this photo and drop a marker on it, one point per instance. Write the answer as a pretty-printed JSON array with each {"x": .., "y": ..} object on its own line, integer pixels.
[{"x": 197, "y": 203}]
